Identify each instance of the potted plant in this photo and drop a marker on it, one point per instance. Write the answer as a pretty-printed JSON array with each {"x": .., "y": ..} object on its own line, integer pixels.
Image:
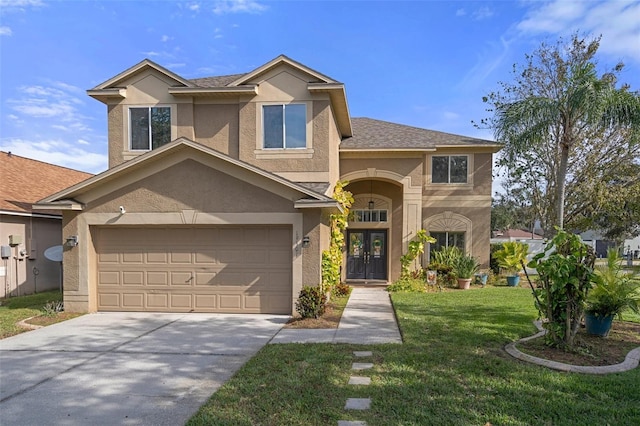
[
  {"x": 613, "y": 291},
  {"x": 464, "y": 268},
  {"x": 510, "y": 258}
]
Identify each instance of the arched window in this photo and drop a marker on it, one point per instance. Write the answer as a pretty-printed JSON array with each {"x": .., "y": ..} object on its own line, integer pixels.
[{"x": 450, "y": 229}]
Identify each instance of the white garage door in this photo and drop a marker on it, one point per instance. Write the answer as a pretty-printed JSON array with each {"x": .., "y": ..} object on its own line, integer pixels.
[{"x": 215, "y": 269}]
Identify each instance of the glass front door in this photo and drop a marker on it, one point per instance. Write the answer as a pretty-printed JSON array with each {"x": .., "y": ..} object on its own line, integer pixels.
[{"x": 367, "y": 254}]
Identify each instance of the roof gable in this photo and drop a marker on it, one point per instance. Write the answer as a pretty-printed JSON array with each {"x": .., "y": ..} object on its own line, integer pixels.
[
  {"x": 177, "y": 151},
  {"x": 142, "y": 66},
  {"x": 279, "y": 61}
]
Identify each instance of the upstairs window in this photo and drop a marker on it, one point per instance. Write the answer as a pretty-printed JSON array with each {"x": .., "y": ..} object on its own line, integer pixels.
[
  {"x": 150, "y": 127},
  {"x": 285, "y": 126},
  {"x": 449, "y": 169}
]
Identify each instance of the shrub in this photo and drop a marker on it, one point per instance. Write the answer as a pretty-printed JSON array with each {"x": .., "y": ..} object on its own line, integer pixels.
[
  {"x": 311, "y": 302},
  {"x": 447, "y": 255},
  {"x": 409, "y": 285},
  {"x": 493, "y": 261},
  {"x": 446, "y": 277},
  {"x": 565, "y": 269},
  {"x": 341, "y": 289},
  {"x": 52, "y": 308}
]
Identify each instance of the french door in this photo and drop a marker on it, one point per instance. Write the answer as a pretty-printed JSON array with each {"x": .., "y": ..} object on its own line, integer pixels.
[{"x": 367, "y": 254}]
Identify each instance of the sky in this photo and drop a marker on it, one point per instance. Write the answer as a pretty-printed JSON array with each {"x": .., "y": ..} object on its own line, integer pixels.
[{"x": 421, "y": 63}]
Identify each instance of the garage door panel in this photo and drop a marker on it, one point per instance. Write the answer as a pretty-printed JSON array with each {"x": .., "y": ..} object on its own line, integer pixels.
[
  {"x": 206, "y": 301},
  {"x": 107, "y": 278},
  {"x": 159, "y": 278},
  {"x": 230, "y": 301},
  {"x": 180, "y": 278},
  {"x": 157, "y": 300},
  {"x": 181, "y": 257},
  {"x": 157, "y": 256},
  {"x": 135, "y": 278},
  {"x": 182, "y": 269},
  {"x": 133, "y": 300}
]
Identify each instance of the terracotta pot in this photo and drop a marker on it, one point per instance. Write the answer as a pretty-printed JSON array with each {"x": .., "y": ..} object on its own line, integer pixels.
[{"x": 464, "y": 283}]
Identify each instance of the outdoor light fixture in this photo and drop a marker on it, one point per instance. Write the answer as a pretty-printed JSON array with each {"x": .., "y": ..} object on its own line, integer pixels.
[
  {"x": 72, "y": 241},
  {"x": 306, "y": 242},
  {"x": 371, "y": 203}
]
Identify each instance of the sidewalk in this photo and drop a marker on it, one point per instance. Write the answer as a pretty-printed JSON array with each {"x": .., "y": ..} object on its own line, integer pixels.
[{"x": 367, "y": 319}]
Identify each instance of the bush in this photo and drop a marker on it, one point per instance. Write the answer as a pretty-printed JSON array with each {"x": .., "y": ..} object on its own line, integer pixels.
[
  {"x": 409, "y": 285},
  {"x": 311, "y": 302},
  {"x": 446, "y": 277},
  {"x": 493, "y": 262},
  {"x": 51, "y": 308},
  {"x": 341, "y": 290}
]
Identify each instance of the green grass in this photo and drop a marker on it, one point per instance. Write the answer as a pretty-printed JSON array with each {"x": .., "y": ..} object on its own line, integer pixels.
[
  {"x": 15, "y": 309},
  {"x": 450, "y": 370}
]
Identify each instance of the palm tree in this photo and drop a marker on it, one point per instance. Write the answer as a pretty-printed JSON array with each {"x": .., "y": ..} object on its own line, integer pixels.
[{"x": 559, "y": 101}]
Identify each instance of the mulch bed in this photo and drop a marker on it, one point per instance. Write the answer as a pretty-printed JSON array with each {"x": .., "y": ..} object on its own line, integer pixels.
[{"x": 591, "y": 350}]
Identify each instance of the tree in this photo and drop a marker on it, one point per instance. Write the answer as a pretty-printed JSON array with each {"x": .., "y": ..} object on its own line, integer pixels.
[{"x": 556, "y": 109}]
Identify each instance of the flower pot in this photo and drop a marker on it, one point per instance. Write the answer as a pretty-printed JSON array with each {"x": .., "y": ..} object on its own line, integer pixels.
[
  {"x": 464, "y": 283},
  {"x": 513, "y": 281},
  {"x": 482, "y": 279},
  {"x": 598, "y": 326}
]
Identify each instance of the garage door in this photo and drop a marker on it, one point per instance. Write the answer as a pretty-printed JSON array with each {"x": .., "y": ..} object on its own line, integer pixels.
[{"x": 220, "y": 269}]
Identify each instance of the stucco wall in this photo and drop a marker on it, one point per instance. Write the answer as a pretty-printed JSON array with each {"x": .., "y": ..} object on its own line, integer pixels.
[
  {"x": 38, "y": 234},
  {"x": 216, "y": 126}
]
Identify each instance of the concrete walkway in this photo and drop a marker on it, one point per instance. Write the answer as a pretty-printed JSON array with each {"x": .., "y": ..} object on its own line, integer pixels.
[{"x": 367, "y": 319}]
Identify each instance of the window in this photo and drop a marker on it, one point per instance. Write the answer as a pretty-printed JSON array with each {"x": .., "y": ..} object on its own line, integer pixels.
[
  {"x": 150, "y": 127},
  {"x": 285, "y": 126},
  {"x": 449, "y": 169},
  {"x": 448, "y": 239},
  {"x": 369, "y": 215}
]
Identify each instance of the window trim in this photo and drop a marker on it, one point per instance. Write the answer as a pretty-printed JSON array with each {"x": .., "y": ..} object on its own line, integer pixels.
[
  {"x": 429, "y": 174},
  {"x": 274, "y": 153},
  {"x": 130, "y": 129}
]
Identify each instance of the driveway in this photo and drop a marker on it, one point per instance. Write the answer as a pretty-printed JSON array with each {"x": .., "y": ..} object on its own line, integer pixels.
[{"x": 125, "y": 368}]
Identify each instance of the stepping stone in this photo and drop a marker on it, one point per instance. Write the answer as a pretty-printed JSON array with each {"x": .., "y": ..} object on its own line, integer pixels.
[
  {"x": 351, "y": 423},
  {"x": 361, "y": 354},
  {"x": 361, "y": 365},
  {"x": 355, "y": 380},
  {"x": 358, "y": 404}
]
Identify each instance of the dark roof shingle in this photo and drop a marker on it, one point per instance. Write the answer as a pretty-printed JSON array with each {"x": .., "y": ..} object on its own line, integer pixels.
[
  {"x": 217, "y": 81},
  {"x": 376, "y": 134}
]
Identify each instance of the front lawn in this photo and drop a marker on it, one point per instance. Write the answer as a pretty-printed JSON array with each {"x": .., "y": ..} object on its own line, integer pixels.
[
  {"x": 15, "y": 309},
  {"x": 450, "y": 370}
]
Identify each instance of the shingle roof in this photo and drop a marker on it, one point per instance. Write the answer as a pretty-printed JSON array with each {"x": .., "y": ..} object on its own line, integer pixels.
[
  {"x": 376, "y": 134},
  {"x": 24, "y": 181},
  {"x": 217, "y": 81}
]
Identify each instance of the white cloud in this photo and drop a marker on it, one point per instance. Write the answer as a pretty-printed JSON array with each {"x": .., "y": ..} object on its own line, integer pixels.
[
  {"x": 20, "y": 3},
  {"x": 57, "y": 102},
  {"x": 195, "y": 7},
  {"x": 56, "y": 151},
  {"x": 165, "y": 38},
  {"x": 222, "y": 7},
  {"x": 83, "y": 142},
  {"x": 5, "y": 31},
  {"x": 461, "y": 12},
  {"x": 618, "y": 21},
  {"x": 482, "y": 13}
]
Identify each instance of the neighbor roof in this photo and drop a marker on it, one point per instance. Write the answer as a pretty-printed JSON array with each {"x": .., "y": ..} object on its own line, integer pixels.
[
  {"x": 371, "y": 134},
  {"x": 25, "y": 181}
]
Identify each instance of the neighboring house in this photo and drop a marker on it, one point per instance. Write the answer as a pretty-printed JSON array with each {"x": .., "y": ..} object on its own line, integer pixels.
[
  {"x": 25, "y": 234},
  {"x": 218, "y": 192},
  {"x": 536, "y": 242}
]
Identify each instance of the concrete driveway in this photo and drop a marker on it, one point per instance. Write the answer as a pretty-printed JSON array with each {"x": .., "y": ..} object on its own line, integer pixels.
[{"x": 125, "y": 368}]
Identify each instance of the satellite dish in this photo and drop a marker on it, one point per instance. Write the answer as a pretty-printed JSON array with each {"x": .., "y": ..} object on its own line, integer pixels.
[{"x": 54, "y": 253}]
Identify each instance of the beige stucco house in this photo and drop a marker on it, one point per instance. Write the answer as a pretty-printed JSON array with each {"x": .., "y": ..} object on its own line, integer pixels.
[{"x": 219, "y": 189}]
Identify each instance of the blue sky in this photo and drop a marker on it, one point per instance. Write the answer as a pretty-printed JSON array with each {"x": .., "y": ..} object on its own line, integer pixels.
[{"x": 421, "y": 63}]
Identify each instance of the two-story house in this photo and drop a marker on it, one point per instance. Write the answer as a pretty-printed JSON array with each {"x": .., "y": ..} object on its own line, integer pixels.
[{"x": 219, "y": 189}]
